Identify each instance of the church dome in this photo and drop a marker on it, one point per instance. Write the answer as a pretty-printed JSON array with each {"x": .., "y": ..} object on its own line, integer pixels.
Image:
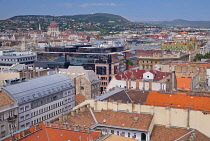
[{"x": 53, "y": 24}]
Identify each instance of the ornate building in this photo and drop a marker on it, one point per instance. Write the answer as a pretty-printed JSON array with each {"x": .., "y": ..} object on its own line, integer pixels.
[{"x": 53, "y": 29}]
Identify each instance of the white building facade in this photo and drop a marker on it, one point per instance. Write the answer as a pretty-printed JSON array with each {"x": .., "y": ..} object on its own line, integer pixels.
[{"x": 42, "y": 99}]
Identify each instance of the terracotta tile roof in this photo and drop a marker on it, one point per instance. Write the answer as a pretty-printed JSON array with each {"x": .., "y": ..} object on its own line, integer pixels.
[
  {"x": 182, "y": 101},
  {"x": 161, "y": 133},
  {"x": 80, "y": 98},
  {"x": 138, "y": 97},
  {"x": 138, "y": 74},
  {"x": 124, "y": 119},
  {"x": 109, "y": 117},
  {"x": 130, "y": 66},
  {"x": 184, "y": 83},
  {"x": 5, "y": 99},
  {"x": 192, "y": 64},
  {"x": 55, "y": 133},
  {"x": 113, "y": 137},
  {"x": 80, "y": 119}
]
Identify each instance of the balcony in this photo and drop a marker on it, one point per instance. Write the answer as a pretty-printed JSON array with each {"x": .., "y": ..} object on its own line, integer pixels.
[{"x": 12, "y": 119}]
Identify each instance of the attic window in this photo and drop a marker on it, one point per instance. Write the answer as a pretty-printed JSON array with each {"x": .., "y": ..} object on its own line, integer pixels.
[
  {"x": 82, "y": 88},
  {"x": 147, "y": 76}
]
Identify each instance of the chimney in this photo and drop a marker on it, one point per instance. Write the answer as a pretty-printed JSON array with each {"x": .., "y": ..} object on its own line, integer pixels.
[
  {"x": 126, "y": 83},
  {"x": 137, "y": 84},
  {"x": 22, "y": 134},
  {"x": 173, "y": 81},
  {"x": 111, "y": 100},
  {"x": 150, "y": 85},
  {"x": 72, "y": 113},
  {"x": 119, "y": 101},
  {"x": 77, "y": 110},
  {"x": 129, "y": 84}
]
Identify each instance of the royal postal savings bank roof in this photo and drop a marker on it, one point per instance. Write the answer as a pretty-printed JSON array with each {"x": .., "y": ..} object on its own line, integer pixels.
[{"x": 35, "y": 88}]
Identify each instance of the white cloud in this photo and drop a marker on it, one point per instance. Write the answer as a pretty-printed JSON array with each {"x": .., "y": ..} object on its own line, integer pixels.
[
  {"x": 68, "y": 5},
  {"x": 97, "y": 4}
]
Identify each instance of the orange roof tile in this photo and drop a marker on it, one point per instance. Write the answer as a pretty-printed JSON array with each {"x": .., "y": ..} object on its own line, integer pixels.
[
  {"x": 109, "y": 117},
  {"x": 162, "y": 133},
  {"x": 80, "y": 98},
  {"x": 182, "y": 101},
  {"x": 51, "y": 133},
  {"x": 183, "y": 83},
  {"x": 5, "y": 99}
]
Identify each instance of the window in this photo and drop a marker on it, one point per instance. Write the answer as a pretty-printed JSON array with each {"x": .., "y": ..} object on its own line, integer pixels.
[
  {"x": 134, "y": 134},
  {"x": 2, "y": 128},
  {"x": 21, "y": 109},
  {"x": 112, "y": 131},
  {"x": 22, "y": 118},
  {"x": 118, "y": 133},
  {"x": 27, "y": 124},
  {"x": 26, "y": 107},
  {"x": 123, "y": 134},
  {"x": 129, "y": 135},
  {"x": 27, "y": 115},
  {"x": 82, "y": 88}
]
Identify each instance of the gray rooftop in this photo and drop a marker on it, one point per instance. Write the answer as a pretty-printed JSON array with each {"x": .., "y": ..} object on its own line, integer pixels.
[
  {"x": 35, "y": 88},
  {"x": 74, "y": 71},
  {"x": 116, "y": 94}
]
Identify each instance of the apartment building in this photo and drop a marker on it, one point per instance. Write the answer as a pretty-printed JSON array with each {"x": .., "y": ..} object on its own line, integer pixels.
[
  {"x": 147, "y": 59},
  {"x": 150, "y": 80},
  {"x": 8, "y": 115},
  {"x": 42, "y": 98}
]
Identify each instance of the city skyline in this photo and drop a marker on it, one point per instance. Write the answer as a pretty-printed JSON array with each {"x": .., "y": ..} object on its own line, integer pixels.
[{"x": 135, "y": 10}]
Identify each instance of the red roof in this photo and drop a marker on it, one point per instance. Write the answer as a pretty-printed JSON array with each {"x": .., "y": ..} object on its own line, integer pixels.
[
  {"x": 182, "y": 101},
  {"x": 138, "y": 74},
  {"x": 55, "y": 133},
  {"x": 184, "y": 83}
]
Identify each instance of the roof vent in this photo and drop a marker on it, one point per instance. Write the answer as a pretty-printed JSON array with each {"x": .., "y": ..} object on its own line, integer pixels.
[
  {"x": 136, "y": 119},
  {"x": 104, "y": 120},
  {"x": 123, "y": 124}
]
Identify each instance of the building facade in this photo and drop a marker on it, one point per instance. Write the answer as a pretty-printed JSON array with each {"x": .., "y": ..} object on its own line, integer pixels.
[
  {"x": 149, "y": 58},
  {"x": 21, "y": 70},
  {"x": 8, "y": 58},
  {"x": 86, "y": 81},
  {"x": 41, "y": 99},
  {"x": 53, "y": 29},
  {"x": 8, "y": 115},
  {"x": 144, "y": 80}
]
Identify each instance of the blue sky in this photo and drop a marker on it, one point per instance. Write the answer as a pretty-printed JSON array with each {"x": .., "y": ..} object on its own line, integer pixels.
[{"x": 134, "y": 10}]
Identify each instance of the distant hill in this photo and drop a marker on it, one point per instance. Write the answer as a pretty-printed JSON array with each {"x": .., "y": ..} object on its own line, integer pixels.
[
  {"x": 185, "y": 23},
  {"x": 97, "y": 17},
  {"x": 107, "y": 24}
]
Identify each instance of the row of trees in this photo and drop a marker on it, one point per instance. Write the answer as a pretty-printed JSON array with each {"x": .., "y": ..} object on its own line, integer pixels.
[{"x": 198, "y": 57}]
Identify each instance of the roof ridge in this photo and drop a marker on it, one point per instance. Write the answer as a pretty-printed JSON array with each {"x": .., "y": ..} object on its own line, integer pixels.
[
  {"x": 46, "y": 132},
  {"x": 184, "y": 135},
  {"x": 93, "y": 116}
]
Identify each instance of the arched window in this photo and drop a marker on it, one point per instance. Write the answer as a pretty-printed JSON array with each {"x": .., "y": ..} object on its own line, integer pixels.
[
  {"x": 82, "y": 88},
  {"x": 143, "y": 137}
]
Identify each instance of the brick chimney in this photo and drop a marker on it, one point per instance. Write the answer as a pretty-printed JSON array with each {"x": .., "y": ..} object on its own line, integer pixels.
[{"x": 137, "y": 84}]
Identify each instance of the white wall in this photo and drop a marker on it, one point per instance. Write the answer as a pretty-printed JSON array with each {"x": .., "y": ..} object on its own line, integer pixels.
[{"x": 162, "y": 115}]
